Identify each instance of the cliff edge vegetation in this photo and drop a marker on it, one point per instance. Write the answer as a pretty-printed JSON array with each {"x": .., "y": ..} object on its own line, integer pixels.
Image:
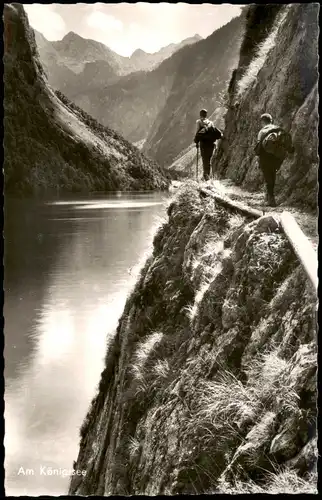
[
  {"x": 51, "y": 144},
  {"x": 209, "y": 384}
]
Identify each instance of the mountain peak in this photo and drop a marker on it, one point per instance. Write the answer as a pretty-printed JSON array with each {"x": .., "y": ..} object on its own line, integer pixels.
[
  {"x": 71, "y": 35},
  {"x": 138, "y": 53},
  {"x": 195, "y": 38}
]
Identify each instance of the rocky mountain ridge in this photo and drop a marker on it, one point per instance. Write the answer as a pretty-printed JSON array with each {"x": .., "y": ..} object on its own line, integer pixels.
[
  {"x": 147, "y": 61},
  {"x": 74, "y": 52}
]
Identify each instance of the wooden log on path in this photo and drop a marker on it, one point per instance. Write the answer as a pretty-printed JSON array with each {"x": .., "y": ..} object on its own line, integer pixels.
[
  {"x": 236, "y": 205},
  {"x": 300, "y": 243}
]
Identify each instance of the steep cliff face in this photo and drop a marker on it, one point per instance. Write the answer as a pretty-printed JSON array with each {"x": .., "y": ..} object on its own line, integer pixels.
[
  {"x": 210, "y": 381},
  {"x": 277, "y": 74},
  {"x": 49, "y": 143}
]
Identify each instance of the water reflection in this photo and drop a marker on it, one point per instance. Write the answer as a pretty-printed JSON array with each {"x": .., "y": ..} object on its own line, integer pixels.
[{"x": 71, "y": 277}]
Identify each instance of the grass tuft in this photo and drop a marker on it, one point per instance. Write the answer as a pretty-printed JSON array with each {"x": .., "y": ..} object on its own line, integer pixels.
[
  {"x": 134, "y": 447},
  {"x": 226, "y": 400},
  {"x": 161, "y": 368},
  {"x": 286, "y": 481},
  {"x": 267, "y": 375},
  {"x": 146, "y": 347},
  {"x": 141, "y": 355}
]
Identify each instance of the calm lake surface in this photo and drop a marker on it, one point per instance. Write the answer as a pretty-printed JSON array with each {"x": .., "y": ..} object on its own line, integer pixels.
[{"x": 69, "y": 265}]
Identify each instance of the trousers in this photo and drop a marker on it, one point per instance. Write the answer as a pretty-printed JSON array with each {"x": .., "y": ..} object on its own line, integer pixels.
[
  {"x": 206, "y": 151},
  {"x": 269, "y": 165}
]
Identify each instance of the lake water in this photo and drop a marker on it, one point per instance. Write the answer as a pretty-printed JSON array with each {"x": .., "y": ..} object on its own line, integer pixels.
[{"x": 69, "y": 265}]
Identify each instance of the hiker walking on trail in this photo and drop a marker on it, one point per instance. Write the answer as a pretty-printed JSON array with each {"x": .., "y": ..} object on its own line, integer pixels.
[
  {"x": 272, "y": 147},
  {"x": 206, "y": 135}
]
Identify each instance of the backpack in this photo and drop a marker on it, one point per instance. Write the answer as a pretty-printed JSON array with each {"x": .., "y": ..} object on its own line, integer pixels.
[
  {"x": 278, "y": 143},
  {"x": 209, "y": 133}
]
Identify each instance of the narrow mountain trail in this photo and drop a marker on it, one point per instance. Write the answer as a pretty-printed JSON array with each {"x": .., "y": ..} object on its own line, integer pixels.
[{"x": 306, "y": 221}]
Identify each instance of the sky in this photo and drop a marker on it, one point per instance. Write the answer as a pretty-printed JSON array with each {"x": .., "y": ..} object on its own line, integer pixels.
[{"x": 126, "y": 27}]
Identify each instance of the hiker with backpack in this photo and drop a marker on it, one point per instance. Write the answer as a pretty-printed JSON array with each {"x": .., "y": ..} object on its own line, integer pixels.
[
  {"x": 206, "y": 135},
  {"x": 272, "y": 147}
]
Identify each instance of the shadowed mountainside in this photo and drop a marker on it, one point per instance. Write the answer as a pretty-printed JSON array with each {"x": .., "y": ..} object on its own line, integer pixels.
[
  {"x": 277, "y": 74},
  {"x": 210, "y": 381},
  {"x": 50, "y": 143}
]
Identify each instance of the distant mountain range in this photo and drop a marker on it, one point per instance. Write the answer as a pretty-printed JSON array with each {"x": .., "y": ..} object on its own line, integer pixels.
[
  {"x": 75, "y": 65},
  {"x": 74, "y": 53}
]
